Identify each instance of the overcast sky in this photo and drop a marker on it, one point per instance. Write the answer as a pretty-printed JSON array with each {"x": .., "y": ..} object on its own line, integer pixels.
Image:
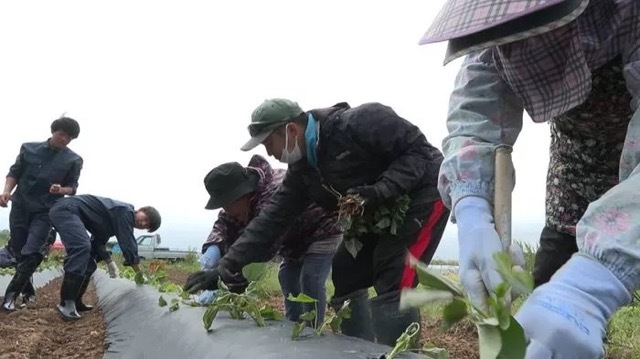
[{"x": 164, "y": 90}]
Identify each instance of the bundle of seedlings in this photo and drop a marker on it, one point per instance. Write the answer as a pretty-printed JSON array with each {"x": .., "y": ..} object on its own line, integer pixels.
[{"x": 385, "y": 218}]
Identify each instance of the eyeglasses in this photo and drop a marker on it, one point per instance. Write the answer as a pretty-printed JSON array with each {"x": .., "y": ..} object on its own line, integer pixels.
[{"x": 258, "y": 128}]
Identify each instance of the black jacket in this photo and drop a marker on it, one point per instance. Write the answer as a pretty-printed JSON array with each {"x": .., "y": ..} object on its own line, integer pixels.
[{"x": 365, "y": 145}]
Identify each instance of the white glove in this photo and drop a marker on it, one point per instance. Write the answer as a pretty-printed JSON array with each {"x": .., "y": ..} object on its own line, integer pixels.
[
  {"x": 478, "y": 242},
  {"x": 113, "y": 270}
]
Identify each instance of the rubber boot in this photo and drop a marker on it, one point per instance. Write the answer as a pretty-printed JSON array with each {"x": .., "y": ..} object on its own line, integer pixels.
[
  {"x": 9, "y": 303},
  {"x": 359, "y": 325},
  {"x": 80, "y": 306},
  {"x": 69, "y": 290},
  {"x": 24, "y": 270},
  {"x": 28, "y": 293},
  {"x": 388, "y": 321}
]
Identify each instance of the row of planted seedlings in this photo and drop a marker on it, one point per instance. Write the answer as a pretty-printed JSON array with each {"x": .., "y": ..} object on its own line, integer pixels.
[{"x": 499, "y": 334}]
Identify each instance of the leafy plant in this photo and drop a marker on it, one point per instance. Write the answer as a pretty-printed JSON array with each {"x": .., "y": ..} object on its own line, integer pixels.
[
  {"x": 433, "y": 352},
  {"x": 403, "y": 342},
  {"x": 387, "y": 217},
  {"x": 499, "y": 334},
  {"x": 332, "y": 320},
  {"x": 157, "y": 278},
  {"x": 238, "y": 305}
]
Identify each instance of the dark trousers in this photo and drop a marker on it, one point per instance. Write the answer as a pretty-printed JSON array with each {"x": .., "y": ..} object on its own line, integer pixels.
[
  {"x": 382, "y": 261},
  {"x": 555, "y": 250},
  {"x": 28, "y": 242},
  {"x": 29, "y": 231},
  {"x": 74, "y": 237}
]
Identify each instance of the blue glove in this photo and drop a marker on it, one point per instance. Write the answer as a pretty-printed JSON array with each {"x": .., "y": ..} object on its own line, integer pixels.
[
  {"x": 478, "y": 242},
  {"x": 207, "y": 297},
  {"x": 567, "y": 317},
  {"x": 211, "y": 257}
]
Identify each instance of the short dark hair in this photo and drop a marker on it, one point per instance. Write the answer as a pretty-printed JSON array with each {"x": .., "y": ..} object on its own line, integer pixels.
[
  {"x": 66, "y": 124},
  {"x": 154, "y": 217}
]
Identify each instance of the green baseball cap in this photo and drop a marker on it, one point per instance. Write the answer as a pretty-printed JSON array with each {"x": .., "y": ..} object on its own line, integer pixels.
[{"x": 270, "y": 115}]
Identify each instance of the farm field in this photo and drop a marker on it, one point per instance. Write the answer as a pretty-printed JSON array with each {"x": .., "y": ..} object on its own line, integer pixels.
[{"x": 37, "y": 332}]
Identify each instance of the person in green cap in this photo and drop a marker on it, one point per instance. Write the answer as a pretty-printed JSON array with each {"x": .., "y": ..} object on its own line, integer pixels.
[
  {"x": 306, "y": 248},
  {"x": 367, "y": 151}
]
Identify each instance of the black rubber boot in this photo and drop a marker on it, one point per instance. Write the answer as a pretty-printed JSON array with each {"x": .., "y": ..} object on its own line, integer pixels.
[
  {"x": 80, "y": 306},
  {"x": 28, "y": 293},
  {"x": 9, "y": 303},
  {"x": 388, "y": 321},
  {"x": 359, "y": 325},
  {"x": 24, "y": 270},
  {"x": 69, "y": 290}
]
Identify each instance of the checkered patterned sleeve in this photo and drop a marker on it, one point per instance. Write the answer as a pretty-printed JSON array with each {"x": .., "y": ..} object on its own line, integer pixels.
[
  {"x": 219, "y": 233},
  {"x": 610, "y": 229},
  {"x": 483, "y": 112}
]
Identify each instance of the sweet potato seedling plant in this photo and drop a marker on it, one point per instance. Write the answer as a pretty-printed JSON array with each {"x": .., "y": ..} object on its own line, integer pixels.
[
  {"x": 331, "y": 320},
  {"x": 500, "y": 335}
]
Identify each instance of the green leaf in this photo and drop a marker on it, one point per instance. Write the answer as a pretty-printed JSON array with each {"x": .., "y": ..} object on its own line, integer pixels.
[
  {"x": 139, "y": 278},
  {"x": 418, "y": 297},
  {"x": 502, "y": 290},
  {"x": 489, "y": 340},
  {"x": 269, "y": 313},
  {"x": 209, "y": 315},
  {"x": 454, "y": 312},
  {"x": 335, "y": 322},
  {"x": 298, "y": 327},
  {"x": 162, "y": 302},
  {"x": 254, "y": 272},
  {"x": 256, "y": 314},
  {"x": 515, "y": 340},
  {"x": 434, "y": 280},
  {"x": 174, "y": 307},
  {"x": 383, "y": 223},
  {"x": 492, "y": 322},
  {"x": 520, "y": 280},
  {"x": 308, "y": 316},
  {"x": 301, "y": 298},
  {"x": 433, "y": 352}
]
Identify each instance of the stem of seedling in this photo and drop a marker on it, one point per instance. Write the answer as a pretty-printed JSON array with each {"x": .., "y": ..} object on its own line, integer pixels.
[{"x": 404, "y": 341}]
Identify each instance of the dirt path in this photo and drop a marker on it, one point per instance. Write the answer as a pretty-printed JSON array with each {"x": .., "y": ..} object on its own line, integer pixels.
[{"x": 38, "y": 332}]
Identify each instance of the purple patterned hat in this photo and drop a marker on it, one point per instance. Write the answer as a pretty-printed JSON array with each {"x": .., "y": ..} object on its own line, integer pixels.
[{"x": 472, "y": 25}]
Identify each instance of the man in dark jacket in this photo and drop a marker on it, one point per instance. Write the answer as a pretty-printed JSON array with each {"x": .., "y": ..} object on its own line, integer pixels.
[
  {"x": 42, "y": 173},
  {"x": 103, "y": 217},
  {"x": 367, "y": 150},
  {"x": 307, "y": 247}
]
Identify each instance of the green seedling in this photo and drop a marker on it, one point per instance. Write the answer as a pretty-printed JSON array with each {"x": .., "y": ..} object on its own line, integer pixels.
[
  {"x": 332, "y": 320},
  {"x": 500, "y": 335},
  {"x": 387, "y": 218},
  {"x": 159, "y": 281},
  {"x": 237, "y": 305},
  {"x": 403, "y": 343},
  {"x": 433, "y": 352}
]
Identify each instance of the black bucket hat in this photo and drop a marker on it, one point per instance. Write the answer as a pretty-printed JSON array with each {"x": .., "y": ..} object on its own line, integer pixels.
[{"x": 227, "y": 183}]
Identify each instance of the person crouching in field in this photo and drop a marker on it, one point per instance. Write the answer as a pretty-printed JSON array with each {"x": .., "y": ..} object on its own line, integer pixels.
[{"x": 103, "y": 218}]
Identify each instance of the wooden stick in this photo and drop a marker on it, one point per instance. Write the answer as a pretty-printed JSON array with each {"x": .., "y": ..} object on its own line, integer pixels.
[{"x": 504, "y": 183}]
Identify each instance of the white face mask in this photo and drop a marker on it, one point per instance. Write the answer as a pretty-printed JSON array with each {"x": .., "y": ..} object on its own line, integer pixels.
[{"x": 293, "y": 156}]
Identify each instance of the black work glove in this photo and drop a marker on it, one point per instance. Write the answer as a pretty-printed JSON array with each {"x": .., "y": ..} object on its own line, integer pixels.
[
  {"x": 202, "y": 280},
  {"x": 208, "y": 280},
  {"x": 368, "y": 193}
]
